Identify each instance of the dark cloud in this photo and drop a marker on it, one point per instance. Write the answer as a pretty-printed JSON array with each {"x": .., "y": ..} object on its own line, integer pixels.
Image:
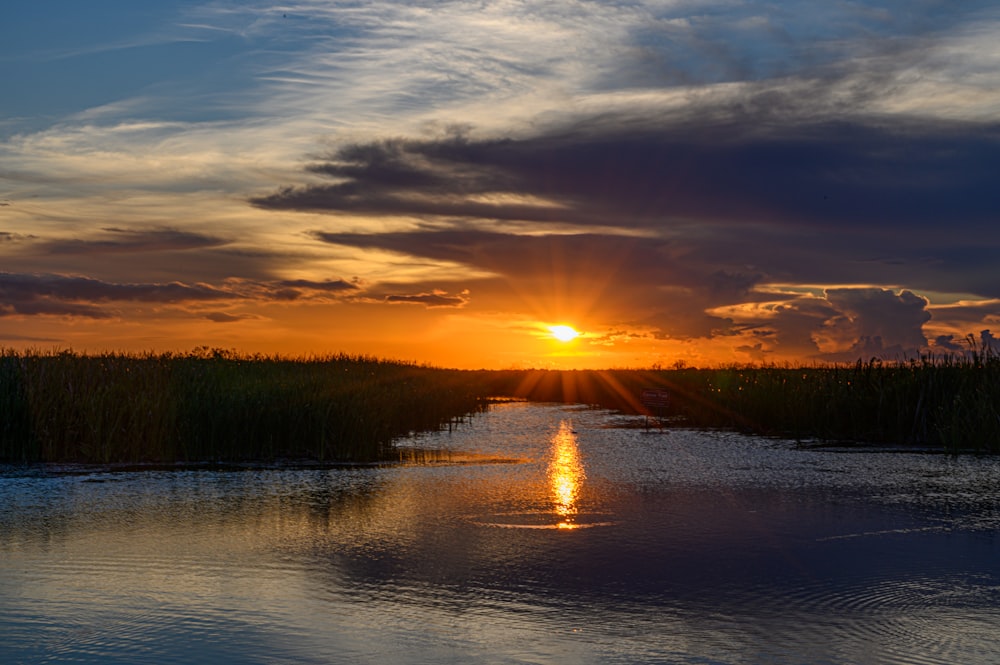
[
  {"x": 669, "y": 223},
  {"x": 948, "y": 343},
  {"x": 6, "y": 236},
  {"x": 969, "y": 314},
  {"x": 82, "y": 296},
  {"x": 971, "y": 344},
  {"x": 881, "y": 323},
  {"x": 516, "y": 256},
  {"x": 294, "y": 289},
  {"x": 131, "y": 241},
  {"x": 582, "y": 271},
  {"x": 51, "y": 307},
  {"x": 755, "y": 352},
  {"x": 738, "y": 168},
  {"x": 795, "y": 324},
  {"x": 763, "y": 191},
  {"x": 436, "y": 299},
  {"x": 898, "y": 317},
  {"x": 15, "y": 288},
  {"x": 329, "y": 285},
  {"x": 222, "y": 317}
]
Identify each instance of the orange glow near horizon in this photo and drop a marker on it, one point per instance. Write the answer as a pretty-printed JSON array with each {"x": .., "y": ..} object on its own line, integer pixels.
[{"x": 461, "y": 338}]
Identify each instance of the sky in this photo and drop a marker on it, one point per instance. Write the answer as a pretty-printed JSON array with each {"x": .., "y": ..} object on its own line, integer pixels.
[{"x": 682, "y": 182}]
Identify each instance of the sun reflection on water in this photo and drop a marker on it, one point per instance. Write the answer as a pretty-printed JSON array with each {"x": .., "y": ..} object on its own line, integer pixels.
[{"x": 566, "y": 475}]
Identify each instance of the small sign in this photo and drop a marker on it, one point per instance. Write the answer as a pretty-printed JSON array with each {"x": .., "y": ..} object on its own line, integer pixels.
[{"x": 659, "y": 398}]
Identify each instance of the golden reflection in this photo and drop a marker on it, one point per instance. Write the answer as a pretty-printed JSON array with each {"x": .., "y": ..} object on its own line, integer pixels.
[{"x": 566, "y": 475}]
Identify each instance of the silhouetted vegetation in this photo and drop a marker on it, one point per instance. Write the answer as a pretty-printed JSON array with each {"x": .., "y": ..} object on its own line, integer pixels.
[
  {"x": 215, "y": 405},
  {"x": 219, "y": 406},
  {"x": 951, "y": 402}
]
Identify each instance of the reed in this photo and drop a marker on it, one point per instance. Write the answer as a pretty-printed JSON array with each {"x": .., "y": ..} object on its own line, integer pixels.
[
  {"x": 216, "y": 405},
  {"x": 947, "y": 402}
]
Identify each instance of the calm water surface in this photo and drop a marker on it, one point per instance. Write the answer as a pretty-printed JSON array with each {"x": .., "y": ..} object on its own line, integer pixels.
[{"x": 554, "y": 535}]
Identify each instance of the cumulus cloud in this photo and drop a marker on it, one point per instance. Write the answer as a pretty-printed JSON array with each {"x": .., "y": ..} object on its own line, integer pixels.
[
  {"x": 897, "y": 318},
  {"x": 842, "y": 324}
]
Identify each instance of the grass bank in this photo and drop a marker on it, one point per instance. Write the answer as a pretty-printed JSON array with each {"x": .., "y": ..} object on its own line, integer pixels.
[
  {"x": 219, "y": 406},
  {"x": 951, "y": 403}
]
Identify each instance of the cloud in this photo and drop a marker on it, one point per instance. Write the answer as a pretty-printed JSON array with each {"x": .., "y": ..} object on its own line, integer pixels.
[
  {"x": 64, "y": 295},
  {"x": 875, "y": 323},
  {"x": 334, "y": 285},
  {"x": 435, "y": 299},
  {"x": 133, "y": 240},
  {"x": 969, "y": 314},
  {"x": 841, "y": 325},
  {"x": 223, "y": 317},
  {"x": 756, "y": 167},
  {"x": 20, "y": 290},
  {"x": 6, "y": 236},
  {"x": 948, "y": 343},
  {"x": 970, "y": 345},
  {"x": 667, "y": 219},
  {"x": 295, "y": 289},
  {"x": 657, "y": 165},
  {"x": 795, "y": 201}
]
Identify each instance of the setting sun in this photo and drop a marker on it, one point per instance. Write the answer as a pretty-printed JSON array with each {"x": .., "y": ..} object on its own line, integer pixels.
[{"x": 563, "y": 333}]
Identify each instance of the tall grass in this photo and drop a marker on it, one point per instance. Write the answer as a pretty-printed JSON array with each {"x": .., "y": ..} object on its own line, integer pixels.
[
  {"x": 219, "y": 406},
  {"x": 950, "y": 402}
]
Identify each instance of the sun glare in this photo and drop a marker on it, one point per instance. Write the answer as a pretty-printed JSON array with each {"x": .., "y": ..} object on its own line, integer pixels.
[{"x": 563, "y": 333}]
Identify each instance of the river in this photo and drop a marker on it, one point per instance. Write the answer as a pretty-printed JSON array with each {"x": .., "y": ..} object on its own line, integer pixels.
[{"x": 532, "y": 534}]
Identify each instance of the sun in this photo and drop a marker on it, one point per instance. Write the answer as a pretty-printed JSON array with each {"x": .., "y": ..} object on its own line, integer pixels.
[{"x": 564, "y": 333}]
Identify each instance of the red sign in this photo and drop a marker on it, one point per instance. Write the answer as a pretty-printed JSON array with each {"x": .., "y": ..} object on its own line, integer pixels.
[{"x": 655, "y": 398}]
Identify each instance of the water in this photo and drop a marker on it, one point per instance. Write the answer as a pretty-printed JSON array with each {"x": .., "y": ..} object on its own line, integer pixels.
[{"x": 551, "y": 535}]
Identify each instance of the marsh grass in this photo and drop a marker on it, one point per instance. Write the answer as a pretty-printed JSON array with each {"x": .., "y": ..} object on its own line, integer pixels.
[
  {"x": 948, "y": 402},
  {"x": 219, "y": 406}
]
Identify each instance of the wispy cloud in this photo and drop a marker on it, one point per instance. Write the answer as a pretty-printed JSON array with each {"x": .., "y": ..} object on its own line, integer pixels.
[
  {"x": 776, "y": 176},
  {"x": 68, "y": 295},
  {"x": 131, "y": 241},
  {"x": 435, "y": 299}
]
